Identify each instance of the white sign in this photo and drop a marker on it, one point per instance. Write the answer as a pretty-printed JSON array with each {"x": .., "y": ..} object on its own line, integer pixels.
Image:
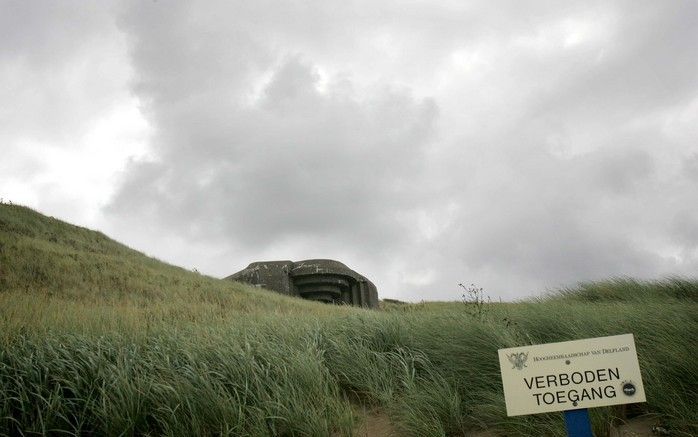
[{"x": 571, "y": 375}]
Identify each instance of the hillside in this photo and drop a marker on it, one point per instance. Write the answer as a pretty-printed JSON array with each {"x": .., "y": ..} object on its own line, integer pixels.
[
  {"x": 71, "y": 269},
  {"x": 96, "y": 338}
]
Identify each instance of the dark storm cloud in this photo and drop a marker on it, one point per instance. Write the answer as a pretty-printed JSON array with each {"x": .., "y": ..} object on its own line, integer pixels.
[{"x": 516, "y": 147}]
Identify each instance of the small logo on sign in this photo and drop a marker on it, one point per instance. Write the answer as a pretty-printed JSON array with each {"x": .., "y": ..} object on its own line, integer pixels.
[
  {"x": 628, "y": 388},
  {"x": 518, "y": 360}
]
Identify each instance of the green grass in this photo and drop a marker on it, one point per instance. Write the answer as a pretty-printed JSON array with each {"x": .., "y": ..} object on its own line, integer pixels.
[{"x": 96, "y": 338}]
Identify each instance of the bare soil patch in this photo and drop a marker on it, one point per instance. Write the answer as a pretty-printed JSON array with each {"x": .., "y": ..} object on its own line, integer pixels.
[{"x": 376, "y": 423}]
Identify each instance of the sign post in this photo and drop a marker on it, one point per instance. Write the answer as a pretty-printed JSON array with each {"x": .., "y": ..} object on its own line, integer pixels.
[
  {"x": 571, "y": 376},
  {"x": 577, "y": 423}
]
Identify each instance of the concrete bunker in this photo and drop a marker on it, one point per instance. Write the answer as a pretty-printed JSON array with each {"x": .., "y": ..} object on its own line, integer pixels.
[{"x": 323, "y": 280}]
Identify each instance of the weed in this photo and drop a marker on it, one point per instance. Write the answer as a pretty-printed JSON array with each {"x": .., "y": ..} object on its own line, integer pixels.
[{"x": 475, "y": 300}]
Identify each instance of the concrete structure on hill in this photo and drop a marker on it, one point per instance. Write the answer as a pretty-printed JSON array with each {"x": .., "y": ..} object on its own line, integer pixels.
[{"x": 324, "y": 280}]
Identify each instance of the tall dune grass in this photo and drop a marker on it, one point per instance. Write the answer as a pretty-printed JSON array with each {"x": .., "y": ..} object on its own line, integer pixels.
[{"x": 97, "y": 339}]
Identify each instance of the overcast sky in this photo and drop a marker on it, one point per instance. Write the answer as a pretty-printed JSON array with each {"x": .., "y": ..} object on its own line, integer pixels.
[{"x": 520, "y": 146}]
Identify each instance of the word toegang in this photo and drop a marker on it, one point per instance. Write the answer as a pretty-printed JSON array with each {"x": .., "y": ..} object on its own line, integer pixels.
[{"x": 574, "y": 379}]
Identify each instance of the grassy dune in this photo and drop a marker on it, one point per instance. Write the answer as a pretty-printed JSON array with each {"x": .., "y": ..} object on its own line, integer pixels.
[{"x": 96, "y": 338}]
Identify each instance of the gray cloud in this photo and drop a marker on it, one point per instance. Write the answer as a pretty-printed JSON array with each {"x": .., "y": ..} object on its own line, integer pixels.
[
  {"x": 296, "y": 162},
  {"x": 63, "y": 74},
  {"x": 59, "y": 66},
  {"x": 515, "y": 146}
]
